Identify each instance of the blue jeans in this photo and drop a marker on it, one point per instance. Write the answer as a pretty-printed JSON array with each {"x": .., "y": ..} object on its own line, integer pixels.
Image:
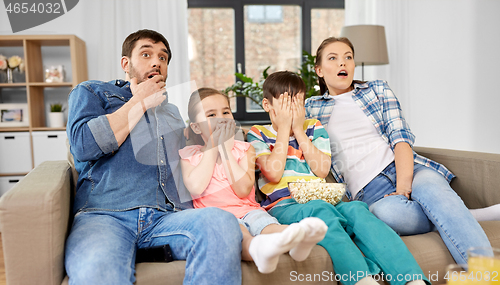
[
  {"x": 433, "y": 206},
  {"x": 256, "y": 220},
  {"x": 102, "y": 245}
]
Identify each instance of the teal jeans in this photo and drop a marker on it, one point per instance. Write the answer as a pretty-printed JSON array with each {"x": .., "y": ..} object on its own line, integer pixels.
[{"x": 352, "y": 232}]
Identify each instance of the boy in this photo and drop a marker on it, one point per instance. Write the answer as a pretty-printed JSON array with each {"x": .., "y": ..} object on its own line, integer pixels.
[{"x": 293, "y": 148}]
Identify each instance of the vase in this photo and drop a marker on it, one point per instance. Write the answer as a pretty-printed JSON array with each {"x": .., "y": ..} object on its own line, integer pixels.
[
  {"x": 56, "y": 120},
  {"x": 10, "y": 76}
]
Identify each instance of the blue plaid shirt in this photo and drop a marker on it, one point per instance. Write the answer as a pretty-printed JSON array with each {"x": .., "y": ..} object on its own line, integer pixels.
[{"x": 381, "y": 106}]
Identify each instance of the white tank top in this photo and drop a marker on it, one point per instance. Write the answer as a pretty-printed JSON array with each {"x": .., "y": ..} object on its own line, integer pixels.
[{"x": 357, "y": 148}]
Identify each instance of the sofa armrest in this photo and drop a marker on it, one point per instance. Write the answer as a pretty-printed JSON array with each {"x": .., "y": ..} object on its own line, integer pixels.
[
  {"x": 477, "y": 174},
  {"x": 34, "y": 215}
]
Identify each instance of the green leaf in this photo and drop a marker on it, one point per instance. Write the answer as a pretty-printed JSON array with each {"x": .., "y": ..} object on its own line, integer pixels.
[
  {"x": 243, "y": 77},
  {"x": 264, "y": 73}
]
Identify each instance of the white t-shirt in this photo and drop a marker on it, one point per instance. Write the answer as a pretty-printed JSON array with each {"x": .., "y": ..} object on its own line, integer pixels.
[{"x": 357, "y": 148}]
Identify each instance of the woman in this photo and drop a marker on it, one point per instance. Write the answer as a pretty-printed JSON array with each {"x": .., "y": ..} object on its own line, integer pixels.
[{"x": 372, "y": 152}]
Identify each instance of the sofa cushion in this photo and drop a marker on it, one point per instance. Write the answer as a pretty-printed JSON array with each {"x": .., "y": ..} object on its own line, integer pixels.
[
  {"x": 428, "y": 249},
  {"x": 318, "y": 265}
]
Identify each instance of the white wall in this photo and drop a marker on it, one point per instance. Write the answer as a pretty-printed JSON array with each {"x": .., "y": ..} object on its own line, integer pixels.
[
  {"x": 444, "y": 58},
  {"x": 103, "y": 25},
  {"x": 444, "y": 62}
]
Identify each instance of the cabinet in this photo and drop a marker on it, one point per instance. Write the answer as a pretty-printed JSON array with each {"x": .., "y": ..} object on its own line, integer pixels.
[
  {"x": 49, "y": 145},
  {"x": 38, "y": 52}
]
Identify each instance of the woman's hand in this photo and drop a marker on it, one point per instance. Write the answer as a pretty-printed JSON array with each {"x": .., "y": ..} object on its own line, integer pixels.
[
  {"x": 404, "y": 192},
  {"x": 403, "y": 158}
]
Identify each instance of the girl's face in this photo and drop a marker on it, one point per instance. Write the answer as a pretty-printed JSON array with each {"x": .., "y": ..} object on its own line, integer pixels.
[
  {"x": 337, "y": 67},
  {"x": 212, "y": 110}
]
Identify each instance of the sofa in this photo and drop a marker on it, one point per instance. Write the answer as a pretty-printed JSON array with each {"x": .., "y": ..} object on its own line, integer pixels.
[{"x": 35, "y": 221}]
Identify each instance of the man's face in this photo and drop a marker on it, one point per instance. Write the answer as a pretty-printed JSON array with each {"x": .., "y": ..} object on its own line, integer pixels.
[{"x": 148, "y": 59}]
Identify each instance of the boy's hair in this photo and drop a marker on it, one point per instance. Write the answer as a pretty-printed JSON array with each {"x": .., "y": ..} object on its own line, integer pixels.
[
  {"x": 281, "y": 82},
  {"x": 194, "y": 100},
  {"x": 129, "y": 43}
]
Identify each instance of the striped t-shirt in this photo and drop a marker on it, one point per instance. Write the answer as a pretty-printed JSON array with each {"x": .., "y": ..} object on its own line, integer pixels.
[{"x": 263, "y": 139}]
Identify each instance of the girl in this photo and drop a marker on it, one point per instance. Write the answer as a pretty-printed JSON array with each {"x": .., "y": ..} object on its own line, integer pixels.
[
  {"x": 219, "y": 172},
  {"x": 371, "y": 146}
]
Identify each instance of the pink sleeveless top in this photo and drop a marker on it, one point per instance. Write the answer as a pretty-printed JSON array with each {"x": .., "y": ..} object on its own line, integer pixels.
[{"x": 219, "y": 192}]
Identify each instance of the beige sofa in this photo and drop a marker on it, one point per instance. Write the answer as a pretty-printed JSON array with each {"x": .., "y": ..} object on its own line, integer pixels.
[{"x": 35, "y": 219}]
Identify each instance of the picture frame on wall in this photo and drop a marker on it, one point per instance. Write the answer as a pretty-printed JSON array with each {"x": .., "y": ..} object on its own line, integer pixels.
[{"x": 14, "y": 115}]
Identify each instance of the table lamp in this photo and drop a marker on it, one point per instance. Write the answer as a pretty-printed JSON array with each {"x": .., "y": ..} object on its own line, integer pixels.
[{"x": 370, "y": 46}]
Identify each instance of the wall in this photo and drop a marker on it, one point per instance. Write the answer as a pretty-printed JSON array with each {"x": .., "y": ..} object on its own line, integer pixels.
[
  {"x": 444, "y": 62},
  {"x": 103, "y": 25}
]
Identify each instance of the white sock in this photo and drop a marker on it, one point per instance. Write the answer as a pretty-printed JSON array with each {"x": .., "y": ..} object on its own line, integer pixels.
[
  {"x": 315, "y": 230},
  {"x": 266, "y": 249},
  {"x": 368, "y": 280},
  {"x": 416, "y": 282},
  {"x": 491, "y": 213}
]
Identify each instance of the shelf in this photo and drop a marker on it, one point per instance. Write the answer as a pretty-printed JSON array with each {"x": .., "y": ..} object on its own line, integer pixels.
[
  {"x": 45, "y": 84},
  {"x": 38, "y": 51},
  {"x": 13, "y": 85},
  {"x": 12, "y": 174},
  {"x": 36, "y": 84},
  {"x": 14, "y": 129},
  {"x": 48, "y": 129}
]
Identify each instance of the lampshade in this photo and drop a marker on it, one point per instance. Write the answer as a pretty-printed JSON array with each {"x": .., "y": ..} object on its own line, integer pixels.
[{"x": 370, "y": 47}]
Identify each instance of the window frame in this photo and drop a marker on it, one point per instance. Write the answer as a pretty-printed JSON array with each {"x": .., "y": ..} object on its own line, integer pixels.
[{"x": 241, "y": 114}]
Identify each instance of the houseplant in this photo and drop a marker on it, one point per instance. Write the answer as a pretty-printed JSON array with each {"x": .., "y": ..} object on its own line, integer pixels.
[
  {"x": 248, "y": 88},
  {"x": 56, "y": 116}
]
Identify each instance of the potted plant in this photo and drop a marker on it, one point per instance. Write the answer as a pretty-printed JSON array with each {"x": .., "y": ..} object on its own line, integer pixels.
[
  {"x": 246, "y": 87},
  {"x": 56, "y": 116}
]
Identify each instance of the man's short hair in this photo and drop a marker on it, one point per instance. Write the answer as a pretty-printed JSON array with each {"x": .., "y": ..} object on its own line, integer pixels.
[
  {"x": 129, "y": 43},
  {"x": 281, "y": 82}
]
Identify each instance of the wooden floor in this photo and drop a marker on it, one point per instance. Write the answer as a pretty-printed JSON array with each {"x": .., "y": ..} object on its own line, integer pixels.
[{"x": 2, "y": 265}]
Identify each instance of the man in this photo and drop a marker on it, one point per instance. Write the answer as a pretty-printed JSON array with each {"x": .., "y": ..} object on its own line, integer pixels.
[{"x": 125, "y": 138}]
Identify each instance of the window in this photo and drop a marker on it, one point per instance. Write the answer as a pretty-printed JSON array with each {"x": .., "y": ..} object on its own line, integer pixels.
[
  {"x": 264, "y": 13},
  {"x": 247, "y": 36},
  {"x": 211, "y": 48},
  {"x": 271, "y": 43},
  {"x": 325, "y": 23}
]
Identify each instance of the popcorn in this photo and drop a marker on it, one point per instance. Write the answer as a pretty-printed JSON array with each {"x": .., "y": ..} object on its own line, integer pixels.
[{"x": 304, "y": 192}]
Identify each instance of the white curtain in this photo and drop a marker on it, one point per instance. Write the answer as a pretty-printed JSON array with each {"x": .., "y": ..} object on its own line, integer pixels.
[
  {"x": 393, "y": 15},
  {"x": 104, "y": 24},
  {"x": 443, "y": 60}
]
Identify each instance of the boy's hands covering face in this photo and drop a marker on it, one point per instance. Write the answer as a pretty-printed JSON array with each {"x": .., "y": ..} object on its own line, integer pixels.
[
  {"x": 281, "y": 112},
  {"x": 298, "y": 113}
]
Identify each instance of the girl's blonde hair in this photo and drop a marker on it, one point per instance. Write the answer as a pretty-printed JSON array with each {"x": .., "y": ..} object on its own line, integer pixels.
[{"x": 196, "y": 98}]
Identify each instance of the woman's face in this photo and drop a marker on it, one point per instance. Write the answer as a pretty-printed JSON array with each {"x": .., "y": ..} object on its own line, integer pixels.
[{"x": 337, "y": 67}]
